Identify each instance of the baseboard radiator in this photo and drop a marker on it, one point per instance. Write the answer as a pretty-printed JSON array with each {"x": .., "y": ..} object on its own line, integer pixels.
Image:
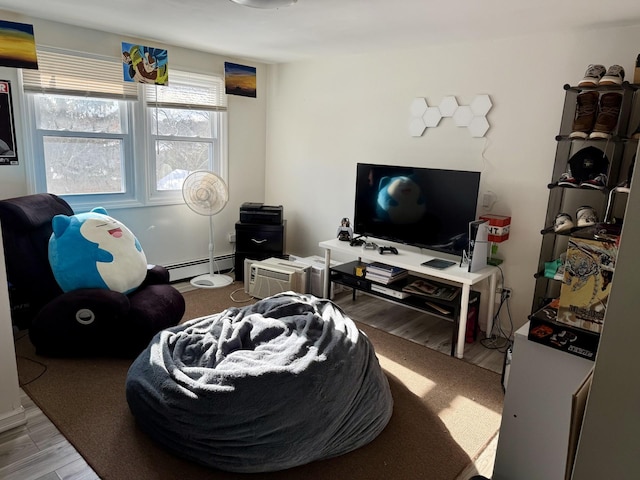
[{"x": 193, "y": 268}]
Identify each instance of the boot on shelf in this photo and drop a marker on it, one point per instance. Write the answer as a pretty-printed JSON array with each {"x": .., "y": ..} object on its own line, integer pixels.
[
  {"x": 608, "y": 114},
  {"x": 586, "y": 113}
]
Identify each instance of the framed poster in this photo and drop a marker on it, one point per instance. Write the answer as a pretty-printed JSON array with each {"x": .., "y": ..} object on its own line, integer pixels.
[
  {"x": 8, "y": 152},
  {"x": 144, "y": 64},
  {"x": 18, "y": 45},
  {"x": 239, "y": 80}
]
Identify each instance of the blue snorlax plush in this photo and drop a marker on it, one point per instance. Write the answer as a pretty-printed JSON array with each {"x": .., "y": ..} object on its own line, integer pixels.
[
  {"x": 94, "y": 250},
  {"x": 400, "y": 200}
]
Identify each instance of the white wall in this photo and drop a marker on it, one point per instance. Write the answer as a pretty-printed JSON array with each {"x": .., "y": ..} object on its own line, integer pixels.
[
  {"x": 328, "y": 114},
  {"x": 168, "y": 234},
  {"x": 11, "y": 411}
]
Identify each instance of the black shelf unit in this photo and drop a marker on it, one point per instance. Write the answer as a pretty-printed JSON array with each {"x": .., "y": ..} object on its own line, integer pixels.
[
  {"x": 344, "y": 274},
  {"x": 620, "y": 148}
]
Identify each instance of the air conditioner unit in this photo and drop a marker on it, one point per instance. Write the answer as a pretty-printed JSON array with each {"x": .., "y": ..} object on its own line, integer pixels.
[
  {"x": 317, "y": 273},
  {"x": 274, "y": 275}
]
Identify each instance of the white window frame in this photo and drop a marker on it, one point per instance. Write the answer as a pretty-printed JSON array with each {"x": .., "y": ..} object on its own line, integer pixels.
[
  {"x": 152, "y": 98},
  {"x": 139, "y": 176},
  {"x": 127, "y": 198}
]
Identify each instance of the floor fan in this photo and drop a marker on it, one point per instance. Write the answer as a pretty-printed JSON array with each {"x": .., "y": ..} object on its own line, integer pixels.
[{"x": 206, "y": 194}]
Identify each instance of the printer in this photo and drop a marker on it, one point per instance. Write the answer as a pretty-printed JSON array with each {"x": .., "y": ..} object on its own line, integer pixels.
[{"x": 259, "y": 213}]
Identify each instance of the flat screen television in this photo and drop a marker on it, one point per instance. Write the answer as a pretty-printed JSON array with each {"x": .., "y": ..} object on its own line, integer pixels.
[{"x": 424, "y": 207}]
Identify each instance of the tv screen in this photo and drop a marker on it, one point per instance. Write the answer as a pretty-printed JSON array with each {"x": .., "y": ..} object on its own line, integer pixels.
[{"x": 425, "y": 207}]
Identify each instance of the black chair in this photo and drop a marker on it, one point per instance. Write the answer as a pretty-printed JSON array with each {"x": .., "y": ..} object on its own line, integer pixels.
[{"x": 84, "y": 322}]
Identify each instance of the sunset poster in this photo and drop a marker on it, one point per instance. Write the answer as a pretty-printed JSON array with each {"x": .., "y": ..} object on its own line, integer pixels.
[
  {"x": 239, "y": 80},
  {"x": 17, "y": 45}
]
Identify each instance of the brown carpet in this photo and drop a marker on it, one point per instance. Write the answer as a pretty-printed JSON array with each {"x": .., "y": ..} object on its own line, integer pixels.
[{"x": 446, "y": 411}]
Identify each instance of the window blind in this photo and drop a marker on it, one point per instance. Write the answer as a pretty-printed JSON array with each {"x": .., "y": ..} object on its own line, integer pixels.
[
  {"x": 79, "y": 74},
  {"x": 188, "y": 90}
]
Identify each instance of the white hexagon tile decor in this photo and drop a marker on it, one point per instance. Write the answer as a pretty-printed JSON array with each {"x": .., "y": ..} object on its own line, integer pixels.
[
  {"x": 418, "y": 107},
  {"x": 448, "y": 106},
  {"x": 481, "y": 105},
  {"x": 432, "y": 117},
  {"x": 416, "y": 127},
  {"x": 472, "y": 116},
  {"x": 478, "y": 126},
  {"x": 463, "y": 116}
]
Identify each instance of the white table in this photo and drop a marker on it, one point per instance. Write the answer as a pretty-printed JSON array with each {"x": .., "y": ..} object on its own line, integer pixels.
[{"x": 412, "y": 261}]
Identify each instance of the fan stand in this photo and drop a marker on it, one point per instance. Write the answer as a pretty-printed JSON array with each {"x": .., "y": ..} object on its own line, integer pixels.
[{"x": 211, "y": 280}]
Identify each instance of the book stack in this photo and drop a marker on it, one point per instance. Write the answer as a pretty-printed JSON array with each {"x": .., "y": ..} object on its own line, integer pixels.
[
  {"x": 429, "y": 289},
  {"x": 385, "y": 274}
]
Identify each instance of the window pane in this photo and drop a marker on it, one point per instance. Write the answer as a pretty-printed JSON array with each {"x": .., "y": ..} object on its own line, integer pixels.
[
  {"x": 177, "y": 122},
  {"x": 78, "y": 114},
  {"x": 176, "y": 160},
  {"x": 83, "y": 165}
]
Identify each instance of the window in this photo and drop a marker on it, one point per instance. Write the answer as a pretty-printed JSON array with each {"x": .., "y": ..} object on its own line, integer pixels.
[
  {"x": 187, "y": 128},
  {"x": 90, "y": 130}
]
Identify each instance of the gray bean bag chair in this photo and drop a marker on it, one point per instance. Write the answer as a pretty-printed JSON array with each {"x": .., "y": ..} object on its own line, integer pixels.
[{"x": 266, "y": 387}]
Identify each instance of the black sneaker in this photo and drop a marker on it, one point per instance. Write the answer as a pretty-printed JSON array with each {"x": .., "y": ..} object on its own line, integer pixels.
[
  {"x": 566, "y": 180},
  {"x": 598, "y": 182},
  {"x": 614, "y": 76}
]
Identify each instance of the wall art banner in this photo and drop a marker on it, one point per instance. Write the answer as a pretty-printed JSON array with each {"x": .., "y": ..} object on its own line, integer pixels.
[
  {"x": 17, "y": 45},
  {"x": 239, "y": 80},
  {"x": 8, "y": 153},
  {"x": 145, "y": 64}
]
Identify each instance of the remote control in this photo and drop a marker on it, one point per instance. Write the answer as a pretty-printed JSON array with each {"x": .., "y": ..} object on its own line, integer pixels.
[{"x": 393, "y": 250}]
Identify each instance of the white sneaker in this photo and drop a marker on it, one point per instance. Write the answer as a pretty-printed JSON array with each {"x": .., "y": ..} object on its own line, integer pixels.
[
  {"x": 586, "y": 216},
  {"x": 562, "y": 223},
  {"x": 614, "y": 76},
  {"x": 592, "y": 76}
]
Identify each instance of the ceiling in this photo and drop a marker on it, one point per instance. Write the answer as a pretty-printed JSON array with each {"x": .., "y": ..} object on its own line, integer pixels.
[{"x": 314, "y": 28}]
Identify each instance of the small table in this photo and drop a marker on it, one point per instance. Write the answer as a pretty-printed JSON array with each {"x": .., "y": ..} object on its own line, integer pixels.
[{"x": 412, "y": 261}]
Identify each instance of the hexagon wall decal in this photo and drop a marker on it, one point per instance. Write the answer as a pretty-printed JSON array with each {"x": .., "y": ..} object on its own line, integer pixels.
[
  {"x": 448, "y": 106},
  {"x": 472, "y": 116},
  {"x": 478, "y": 126},
  {"x": 416, "y": 127},
  {"x": 463, "y": 116},
  {"x": 481, "y": 105},
  {"x": 418, "y": 107},
  {"x": 432, "y": 117}
]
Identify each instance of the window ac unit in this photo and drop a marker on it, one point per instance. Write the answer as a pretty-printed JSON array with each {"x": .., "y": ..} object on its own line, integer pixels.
[{"x": 274, "y": 275}]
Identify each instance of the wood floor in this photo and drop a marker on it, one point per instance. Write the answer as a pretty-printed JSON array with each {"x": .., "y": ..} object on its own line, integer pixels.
[{"x": 38, "y": 451}]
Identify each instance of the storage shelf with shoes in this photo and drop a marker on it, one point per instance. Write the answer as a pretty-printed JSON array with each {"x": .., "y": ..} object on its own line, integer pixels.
[{"x": 596, "y": 142}]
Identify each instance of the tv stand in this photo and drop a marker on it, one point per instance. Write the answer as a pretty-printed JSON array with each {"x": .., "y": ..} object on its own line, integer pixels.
[{"x": 412, "y": 261}]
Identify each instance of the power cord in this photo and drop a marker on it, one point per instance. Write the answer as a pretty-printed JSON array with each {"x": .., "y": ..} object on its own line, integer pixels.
[
  {"x": 22, "y": 357},
  {"x": 501, "y": 340}
]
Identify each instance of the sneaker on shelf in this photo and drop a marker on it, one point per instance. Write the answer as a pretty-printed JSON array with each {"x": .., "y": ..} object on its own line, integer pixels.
[
  {"x": 562, "y": 223},
  {"x": 614, "y": 76},
  {"x": 586, "y": 216},
  {"x": 607, "y": 116},
  {"x": 598, "y": 182},
  {"x": 593, "y": 75},
  {"x": 586, "y": 113},
  {"x": 567, "y": 180}
]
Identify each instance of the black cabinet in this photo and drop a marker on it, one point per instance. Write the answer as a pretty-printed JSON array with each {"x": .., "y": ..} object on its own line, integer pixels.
[{"x": 258, "y": 241}]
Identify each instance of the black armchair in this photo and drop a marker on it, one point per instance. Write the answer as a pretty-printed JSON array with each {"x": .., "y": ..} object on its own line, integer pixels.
[{"x": 83, "y": 322}]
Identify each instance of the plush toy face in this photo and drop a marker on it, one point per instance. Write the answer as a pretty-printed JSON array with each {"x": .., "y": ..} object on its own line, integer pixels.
[
  {"x": 94, "y": 250},
  {"x": 400, "y": 200}
]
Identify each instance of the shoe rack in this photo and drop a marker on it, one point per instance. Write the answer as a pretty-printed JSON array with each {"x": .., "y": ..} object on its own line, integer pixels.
[{"x": 609, "y": 202}]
